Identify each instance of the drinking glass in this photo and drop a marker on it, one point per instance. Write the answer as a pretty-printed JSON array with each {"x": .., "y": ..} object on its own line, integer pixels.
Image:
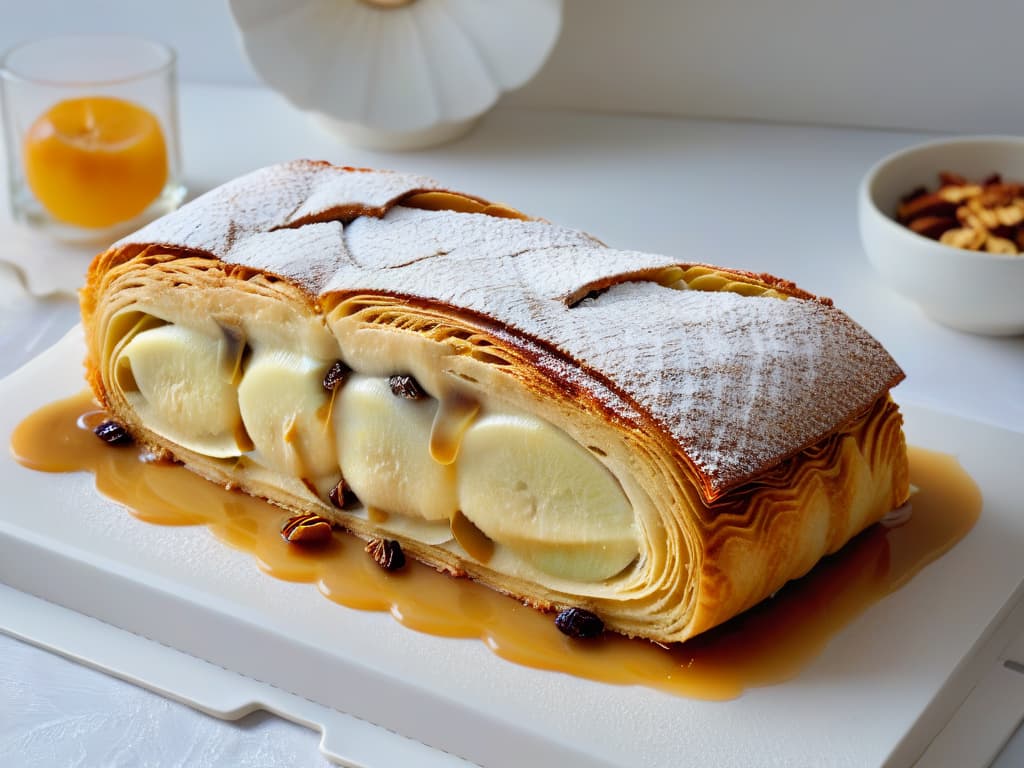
[{"x": 91, "y": 134}]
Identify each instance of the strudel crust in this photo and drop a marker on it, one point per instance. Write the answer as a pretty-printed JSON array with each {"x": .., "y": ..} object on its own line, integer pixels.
[{"x": 662, "y": 442}]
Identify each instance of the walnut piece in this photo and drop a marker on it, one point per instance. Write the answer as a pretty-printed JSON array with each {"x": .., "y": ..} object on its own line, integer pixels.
[
  {"x": 307, "y": 530},
  {"x": 342, "y": 496},
  {"x": 985, "y": 216},
  {"x": 387, "y": 553}
]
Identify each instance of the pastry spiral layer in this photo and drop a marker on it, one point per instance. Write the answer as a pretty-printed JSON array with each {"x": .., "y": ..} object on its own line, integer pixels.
[{"x": 661, "y": 442}]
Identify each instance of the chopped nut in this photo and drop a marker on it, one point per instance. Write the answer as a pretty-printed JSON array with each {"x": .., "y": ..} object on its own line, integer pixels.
[
  {"x": 986, "y": 216},
  {"x": 979, "y": 217},
  {"x": 950, "y": 179},
  {"x": 970, "y": 220},
  {"x": 342, "y": 496},
  {"x": 933, "y": 226},
  {"x": 926, "y": 205},
  {"x": 579, "y": 623},
  {"x": 1000, "y": 245},
  {"x": 387, "y": 553},
  {"x": 307, "y": 529},
  {"x": 336, "y": 375},
  {"x": 112, "y": 433},
  {"x": 959, "y": 194},
  {"x": 406, "y": 386},
  {"x": 999, "y": 194},
  {"x": 963, "y": 237},
  {"x": 1010, "y": 215}
]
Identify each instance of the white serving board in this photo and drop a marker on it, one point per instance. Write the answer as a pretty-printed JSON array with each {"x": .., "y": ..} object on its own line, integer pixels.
[
  {"x": 206, "y": 687},
  {"x": 878, "y": 694}
]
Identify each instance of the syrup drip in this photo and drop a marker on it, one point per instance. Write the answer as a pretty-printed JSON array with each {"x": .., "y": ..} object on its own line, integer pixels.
[
  {"x": 472, "y": 539},
  {"x": 769, "y": 643},
  {"x": 453, "y": 417}
]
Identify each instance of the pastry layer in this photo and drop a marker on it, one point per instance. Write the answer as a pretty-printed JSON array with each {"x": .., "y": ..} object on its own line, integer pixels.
[{"x": 661, "y": 442}]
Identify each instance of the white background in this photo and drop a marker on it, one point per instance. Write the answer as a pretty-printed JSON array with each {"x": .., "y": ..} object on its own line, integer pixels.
[{"x": 934, "y": 65}]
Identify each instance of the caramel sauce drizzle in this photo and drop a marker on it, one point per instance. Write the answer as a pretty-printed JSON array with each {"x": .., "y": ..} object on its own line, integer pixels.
[
  {"x": 768, "y": 644},
  {"x": 453, "y": 417},
  {"x": 476, "y": 543}
]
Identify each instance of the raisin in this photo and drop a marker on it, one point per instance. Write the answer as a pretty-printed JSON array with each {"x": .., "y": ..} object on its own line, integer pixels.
[
  {"x": 579, "y": 623},
  {"x": 336, "y": 375},
  {"x": 112, "y": 433},
  {"x": 406, "y": 386}
]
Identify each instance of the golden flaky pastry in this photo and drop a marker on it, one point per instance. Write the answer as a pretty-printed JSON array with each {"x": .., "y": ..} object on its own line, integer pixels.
[{"x": 660, "y": 442}]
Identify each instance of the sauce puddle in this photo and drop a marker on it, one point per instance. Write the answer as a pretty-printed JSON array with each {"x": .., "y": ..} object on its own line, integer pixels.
[{"x": 769, "y": 643}]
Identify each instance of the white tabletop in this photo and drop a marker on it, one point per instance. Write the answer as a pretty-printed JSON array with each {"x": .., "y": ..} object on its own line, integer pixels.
[{"x": 769, "y": 198}]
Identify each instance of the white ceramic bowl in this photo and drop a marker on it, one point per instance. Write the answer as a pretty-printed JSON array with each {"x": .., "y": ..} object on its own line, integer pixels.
[{"x": 967, "y": 290}]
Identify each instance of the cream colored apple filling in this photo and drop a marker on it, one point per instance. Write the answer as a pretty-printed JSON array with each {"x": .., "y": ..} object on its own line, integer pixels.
[{"x": 522, "y": 483}]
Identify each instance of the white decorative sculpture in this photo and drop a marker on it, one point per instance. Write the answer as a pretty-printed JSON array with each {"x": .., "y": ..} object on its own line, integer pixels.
[{"x": 397, "y": 74}]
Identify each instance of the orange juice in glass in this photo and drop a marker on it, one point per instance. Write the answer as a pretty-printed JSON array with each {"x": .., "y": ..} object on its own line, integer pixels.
[{"x": 91, "y": 131}]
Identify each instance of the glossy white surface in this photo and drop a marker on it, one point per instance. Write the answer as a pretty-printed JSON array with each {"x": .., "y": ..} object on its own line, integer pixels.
[
  {"x": 76, "y": 716},
  {"x": 54, "y": 712},
  {"x": 975, "y": 292},
  {"x": 761, "y": 197}
]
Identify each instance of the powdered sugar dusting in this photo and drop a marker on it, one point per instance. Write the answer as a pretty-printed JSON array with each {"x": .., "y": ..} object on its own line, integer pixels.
[
  {"x": 310, "y": 255},
  {"x": 370, "y": 190},
  {"x": 275, "y": 197},
  {"x": 405, "y": 235},
  {"x": 738, "y": 382}
]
